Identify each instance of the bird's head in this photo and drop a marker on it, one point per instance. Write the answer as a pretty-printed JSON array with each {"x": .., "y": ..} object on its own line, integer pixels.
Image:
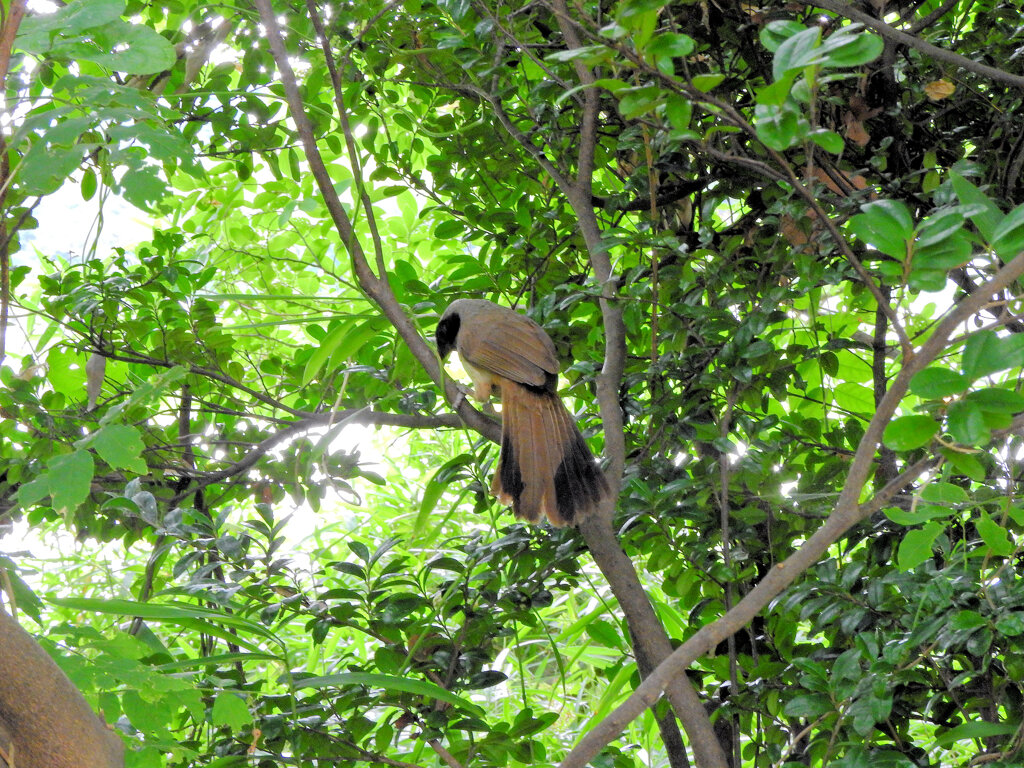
[{"x": 447, "y": 330}]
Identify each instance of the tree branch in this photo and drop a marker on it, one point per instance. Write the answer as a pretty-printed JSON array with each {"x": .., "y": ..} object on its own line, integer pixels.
[
  {"x": 896, "y": 36},
  {"x": 597, "y": 531},
  {"x": 847, "y": 512},
  {"x": 364, "y": 416},
  {"x": 44, "y": 715},
  {"x": 376, "y": 287}
]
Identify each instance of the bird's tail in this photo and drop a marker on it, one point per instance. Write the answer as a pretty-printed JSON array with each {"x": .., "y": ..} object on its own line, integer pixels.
[{"x": 545, "y": 467}]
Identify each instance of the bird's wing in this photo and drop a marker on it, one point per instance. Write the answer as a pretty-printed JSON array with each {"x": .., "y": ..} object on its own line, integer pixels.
[{"x": 508, "y": 344}]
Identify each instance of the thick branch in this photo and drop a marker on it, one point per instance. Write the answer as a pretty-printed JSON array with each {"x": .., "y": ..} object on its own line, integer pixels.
[
  {"x": 43, "y": 715},
  {"x": 598, "y": 532}
]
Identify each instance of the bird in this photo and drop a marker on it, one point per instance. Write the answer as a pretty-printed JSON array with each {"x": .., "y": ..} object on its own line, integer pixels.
[{"x": 544, "y": 465}]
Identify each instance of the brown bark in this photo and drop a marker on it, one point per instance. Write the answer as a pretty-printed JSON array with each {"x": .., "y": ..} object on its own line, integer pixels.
[{"x": 44, "y": 720}]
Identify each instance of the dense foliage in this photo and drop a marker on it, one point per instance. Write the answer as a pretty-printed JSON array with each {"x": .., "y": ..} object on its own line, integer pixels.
[{"x": 782, "y": 250}]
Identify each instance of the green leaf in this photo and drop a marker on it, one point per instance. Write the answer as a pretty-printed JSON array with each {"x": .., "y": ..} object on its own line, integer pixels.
[
  {"x": 705, "y": 83},
  {"x": 230, "y": 710},
  {"x": 850, "y": 47},
  {"x": 209, "y": 620},
  {"x": 984, "y": 213},
  {"x": 811, "y": 706},
  {"x": 981, "y": 355},
  {"x": 36, "y": 31},
  {"x": 994, "y": 535},
  {"x": 449, "y": 228},
  {"x": 603, "y": 633},
  {"x": 954, "y": 251},
  {"x": 909, "y": 432},
  {"x": 679, "y": 111},
  {"x": 390, "y": 683},
  {"x": 671, "y": 44},
  {"x": 779, "y": 127},
  {"x": 997, "y": 400},
  {"x": 775, "y": 33},
  {"x": 1011, "y": 624},
  {"x": 830, "y": 141},
  {"x": 855, "y": 397},
  {"x": 965, "y": 464},
  {"x": 143, "y": 188},
  {"x": 916, "y": 546},
  {"x": 920, "y": 513},
  {"x": 639, "y": 101},
  {"x": 134, "y": 50},
  {"x": 886, "y": 225},
  {"x": 120, "y": 446},
  {"x": 324, "y": 350},
  {"x": 67, "y": 482},
  {"x": 949, "y": 494},
  {"x": 939, "y": 227},
  {"x": 975, "y": 730},
  {"x": 935, "y": 383},
  {"x": 146, "y": 715},
  {"x": 966, "y": 423},
  {"x": 1008, "y": 235},
  {"x": 796, "y": 52}
]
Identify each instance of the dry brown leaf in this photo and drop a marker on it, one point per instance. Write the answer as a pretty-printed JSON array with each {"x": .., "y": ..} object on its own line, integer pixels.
[
  {"x": 855, "y": 131},
  {"x": 937, "y": 90}
]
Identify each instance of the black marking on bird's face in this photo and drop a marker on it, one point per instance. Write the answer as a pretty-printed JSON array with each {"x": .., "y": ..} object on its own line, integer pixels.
[{"x": 447, "y": 330}]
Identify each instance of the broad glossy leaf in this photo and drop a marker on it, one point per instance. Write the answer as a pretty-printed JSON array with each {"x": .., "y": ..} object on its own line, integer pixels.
[
  {"x": 994, "y": 535},
  {"x": 121, "y": 447},
  {"x": 938, "y": 227},
  {"x": 966, "y": 423},
  {"x": 953, "y": 251},
  {"x": 949, "y": 494},
  {"x": 850, "y": 47},
  {"x": 705, "y": 83},
  {"x": 779, "y": 127},
  {"x": 1008, "y": 235},
  {"x": 983, "y": 212},
  {"x": 886, "y": 225},
  {"x": 982, "y": 355},
  {"x": 671, "y": 44},
  {"x": 978, "y": 729},
  {"x": 916, "y": 546},
  {"x": 775, "y": 33},
  {"x": 796, "y": 52},
  {"x": 830, "y": 141},
  {"x": 909, "y": 432},
  {"x": 920, "y": 513},
  {"x": 997, "y": 400},
  {"x": 935, "y": 382}
]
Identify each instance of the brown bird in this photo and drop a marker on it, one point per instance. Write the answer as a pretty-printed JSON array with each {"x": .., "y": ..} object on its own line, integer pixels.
[{"x": 545, "y": 467}]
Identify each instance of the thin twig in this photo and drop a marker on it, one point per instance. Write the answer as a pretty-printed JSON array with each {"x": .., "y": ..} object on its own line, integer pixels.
[{"x": 896, "y": 36}]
